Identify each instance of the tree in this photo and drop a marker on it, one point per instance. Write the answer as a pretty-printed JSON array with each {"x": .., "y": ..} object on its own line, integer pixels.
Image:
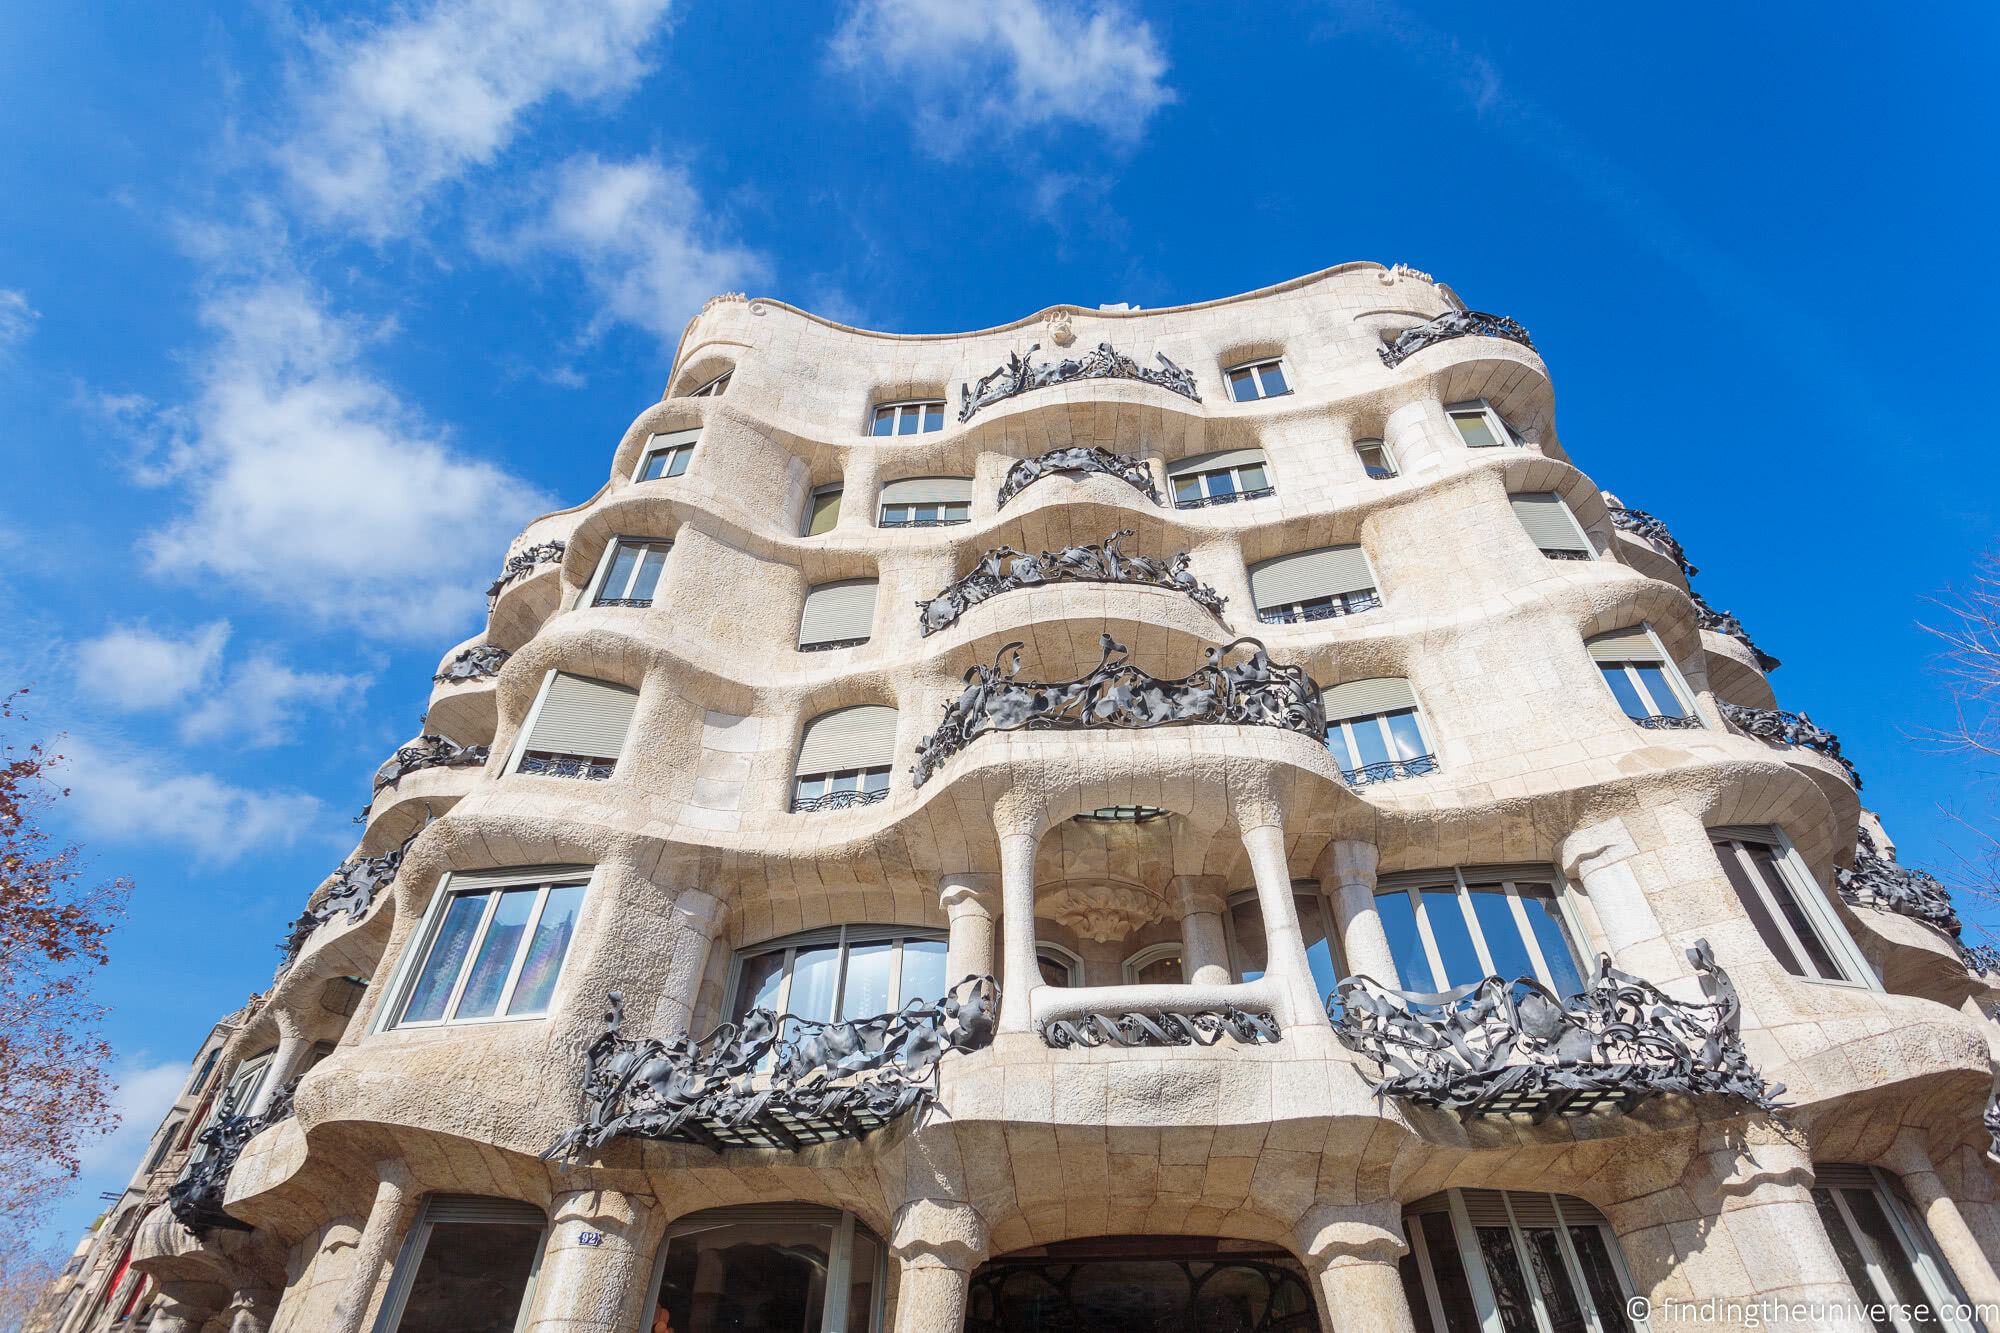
[
  {"x": 1969, "y": 627},
  {"x": 55, "y": 1092}
]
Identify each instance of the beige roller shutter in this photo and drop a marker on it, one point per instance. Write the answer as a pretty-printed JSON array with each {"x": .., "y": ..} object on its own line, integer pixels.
[
  {"x": 503, "y": 876},
  {"x": 582, "y": 716},
  {"x": 1212, "y": 462},
  {"x": 1304, "y": 575},
  {"x": 1625, "y": 645},
  {"x": 760, "y": 1214},
  {"x": 1362, "y": 698},
  {"x": 669, "y": 439},
  {"x": 481, "y": 1208},
  {"x": 861, "y": 737},
  {"x": 837, "y": 611},
  {"x": 928, "y": 490},
  {"x": 1548, "y": 521}
]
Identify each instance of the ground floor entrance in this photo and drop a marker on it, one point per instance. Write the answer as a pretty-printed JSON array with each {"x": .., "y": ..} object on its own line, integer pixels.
[{"x": 1142, "y": 1284}]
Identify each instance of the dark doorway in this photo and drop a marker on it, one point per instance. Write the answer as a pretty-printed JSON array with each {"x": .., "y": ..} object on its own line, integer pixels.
[{"x": 1142, "y": 1284}]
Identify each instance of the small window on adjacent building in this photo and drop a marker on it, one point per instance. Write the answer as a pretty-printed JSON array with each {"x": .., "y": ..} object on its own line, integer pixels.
[
  {"x": 577, "y": 727},
  {"x": 1158, "y": 965},
  {"x": 166, "y": 1146},
  {"x": 1549, "y": 524},
  {"x": 1260, "y": 379},
  {"x": 1790, "y": 913},
  {"x": 926, "y": 502},
  {"x": 1374, "y": 731},
  {"x": 667, "y": 455},
  {"x": 631, "y": 573},
  {"x": 207, "y": 1067},
  {"x": 1479, "y": 425},
  {"x": 1313, "y": 585},
  {"x": 1376, "y": 459},
  {"x": 1493, "y": 1259},
  {"x": 824, "y": 511},
  {"x": 493, "y": 947},
  {"x": 1219, "y": 478},
  {"x": 469, "y": 1263},
  {"x": 837, "y": 615},
  {"x": 1636, "y": 669},
  {"x": 844, "y": 759},
  {"x": 1888, "y": 1252},
  {"x": 913, "y": 418},
  {"x": 1450, "y": 928},
  {"x": 841, "y": 973},
  {"x": 715, "y": 388}
]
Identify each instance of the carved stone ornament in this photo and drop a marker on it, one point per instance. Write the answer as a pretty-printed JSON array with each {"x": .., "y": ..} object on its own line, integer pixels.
[
  {"x": 522, "y": 561},
  {"x": 1388, "y": 276},
  {"x": 196, "y": 1198},
  {"x": 1251, "y": 692},
  {"x": 1018, "y": 375},
  {"x": 1774, "y": 724},
  {"x": 721, "y": 298},
  {"x": 1076, "y": 461},
  {"x": 429, "y": 751},
  {"x": 1452, "y": 324},
  {"x": 474, "y": 663},
  {"x": 1642, "y": 524},
  {"x": 1162, "y": 1029},
  {"x": 1499, "y": 1048},
  {"x": 1103, "y": 912},
  {"x": 1056, "y": 327},
  {"x": 774, "y": 1080},
  {"x": 1723, "y": 622},
  {"x": 1004, "y": 569}
]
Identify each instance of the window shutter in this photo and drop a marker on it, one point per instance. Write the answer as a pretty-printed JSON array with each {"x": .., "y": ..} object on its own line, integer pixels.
[
  {"x": 480, "y": 1208},
  {"x": 1215, "y": 461},
  {"x": 669, "y": 439},
  {"x": 1759, "y": 835},
  {"x": 1304, "y": 575},
  {"x": 583, "y": 716},
  {"x": 1485, "y": 1208},
  {"x": 928, "y": 490},
  {"x": 862, "y": 737},
  {"x": 1548, "y": 521},
  {"x": 1363, "y": 698},
  {"x": 519, "y": 876},
  {"x": 1531, "y": 872},
  {"x": 1625, "y": 645},
  {"x": 836, "y": 611},
  {"x": 758, "y": 1214},
  {"x": 1843, "y": 1176}
]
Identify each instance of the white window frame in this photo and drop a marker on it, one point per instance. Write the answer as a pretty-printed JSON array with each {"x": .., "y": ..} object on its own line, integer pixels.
[
  {"x": 1388, "y": 458},
  {"x": 684, "y": 449},
  {"x": 715, "y": 388},
  {"x": 1566, "y": 914},
  {"x": 596, "y": 589},
  {"x": 1294, "y": 613},
  {"x": 839, "y": 779},
  {"x": 1812, "y": 901},
  {"x": 1153, "y": 953},
  {"x": 1932, "y": 1272},
  {"x": 1344, "y": 729},
  {"x": 851, "y": 937},
  {"x": 1465, "y": 1240},
  {"x": 1235, "y": 474},
  {"x": 897, "y": 409},
  {"x": 943, "y": 520},
  {"x": 411, "y": 1255},
  {"x": 1671, "y": 669},
  {"x": 388, "y": 1017},
  {"x": 1503, "y": 435},
  {"x": 1255, "y": 369},
  {"x": 840, "y": 1254}
]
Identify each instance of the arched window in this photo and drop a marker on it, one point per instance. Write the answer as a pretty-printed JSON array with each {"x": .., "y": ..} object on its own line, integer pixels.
[
  {"x": 1510, "y": 1260},
  {"x": 1156, "y": 965},
  {"x": 841, "y": 972},
  {"x": 1059, "y": 967},
  {"x": 769, "y": 1268}
]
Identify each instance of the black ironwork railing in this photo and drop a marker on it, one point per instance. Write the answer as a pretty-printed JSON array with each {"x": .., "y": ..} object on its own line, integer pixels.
[
  {"x": 1642, "y": 524},
  {"x": 1777, "y": 725},
  {"x": 1004, "y": 569},
  {"x": 1563, "y": 553},
  {"x": 640, "y": 602},
  {"x": 837, "y": 800},
  {"x": 921, "y": 522},
  {"x": 474, "y": 663},
  {"x": 1353, "y": 605},
  {"x": 1388, "y": 770},
  {"x": 1668, "y": 722},
  {"x": 828, "y": 645},
  {"x": 567, "y": 766},
  {"x": 1227, "y": 498},
  {"x": 1077, "y": 460},
  {"x": 1724, "y": 622},
  {"x": 1876, "y": 881},
  {"x": 1019, "y": 375},
  {"x": 1503, "y": 1048},
  {"x": 1157, "y": 1028},
  {"x": 196, "y": 1198},
  {"x": 524, "y": 562},
  {"x": 774, "y": 1080},
  {"x": 1452, "y": 324},
  {"x": 428, "y": 751}
]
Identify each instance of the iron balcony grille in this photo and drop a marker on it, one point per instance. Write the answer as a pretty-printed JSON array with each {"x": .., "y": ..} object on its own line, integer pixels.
[
  {"x": 829, "y": 645},
  {"x": 1378, "y": 473},
  {"x": 1366, "y": 602},
  {"x": 1665, "y": 722},
  {"x": 1209, "y": 501},
  {"x": 1566, "y": 555},
  {"x": 837, "y": 800},
  {"x": 641, "y": 602},
  {"x": 567, "y": 766},
  {"x": 1452, "y": 324},
  {"x": 1388, "y": 770},
  {"x": 922, "y": 522}
]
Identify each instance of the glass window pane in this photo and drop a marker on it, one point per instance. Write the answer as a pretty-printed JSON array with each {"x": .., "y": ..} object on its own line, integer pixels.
[
  {"x": 1817, "y": 953},
  {"x": 1866, "y": 1206},
  {"x": 1399, "y": 923},
  {"x": 496, "y": 954},
  {"x": 1405, "y": 735},
  {"x": 472, "y": 1278},
  {"x": 1252, "y": 478},
  {"x": 1600, "y": 1278},
  {"x": 648, "y": 579},
  {"x": 1473, "y": 428},
  {"x": 1545, "y": 920},
  {"x": 825, "y": 513},
  {"x": 1848, "y": 1247},
  {"x": 1552, "y": 1277},
  {"x": 1503, "y": 1270},
  {"x": 1664, "y": 698},
  {"x": 1413, "y": 1289},
  {"x": 1454, "y": 938},
  {"x": 934, "y": 417},
  {"x": 447, "y": 957},
  {"x": 1503, "y": 938},
  {"x": 1622, "y": 690},
  {"x": 1219, "y": 483},
  {"x": 547, "y": 950},
  {"x": 1753, "y": 904},
  {"x": 1164, "y": 971},
  {"x": 814, "y": 975},
  {"x": 655, "y": 467},
  {"x": 1055, "y": 971},
  {"x": 1368, "y": 740},
  {"x": 679, "y": 457},
  {"x": 1247, "y": 921},
  {"x": 757, "y": 982},
  {"x": 867, "y": 991},
  {"x": 885, "y": 420},
  {"x": 909, "y": 422},
  {"x": 1274, "y": 380},
  {"x": 1448, "y": 1272},
  {"x": 1241, "y": 386},
  {"x": 621, "y": 572},
  {"x": 1187, "y": 488},
  {"x": 1319, "y": 949},
  {"x": 923, "y": 972},
  {"x": 757, "y": 1278}
]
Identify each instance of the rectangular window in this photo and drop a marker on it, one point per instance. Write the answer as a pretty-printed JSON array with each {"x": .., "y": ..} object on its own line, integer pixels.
[
  {"x": 577, "y": 727},
  {"x": 469, "y": 1263},
  {"x": 1550, "y": 525},
  {"x": 492, "y": 952},
  {"x": 1888, "y": 1253},
  {"x": 912, "y": 418},
  {"x": 667, "y": 455},
  {"x": 1375, "y": 458},
  {"x": 824, "y": 511},
  {"x": 1514, "y": 1262},
  {"x": 939, "y": 514},
  {"x": 837, "y": 615},
  {"x": 632, "y": 575},
  {"x": 1378, "y": 747},
  {"x": 715, "y": 388},
  {"x": 1479, "y": 425},
  {"x": 1635, "y": 670},
  {"x": 1790, "y": 913},
  {"x": 1222, "y": 486},
  {"x": 838, "y": 790},
  {"x": 1262, "y": 379},
  {"x": 843, "y": 973},
  {"x": 1454, "y": 928}
]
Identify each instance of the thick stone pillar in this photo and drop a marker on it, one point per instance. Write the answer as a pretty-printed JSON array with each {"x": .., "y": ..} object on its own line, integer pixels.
[
  {"x": 1600, "y": 859},
  {"x": 860, "y": 483},
  {"x": 1284, "y": 949},
  {"x": 970, "y": 901},
  {"x": 1351, "y": 1250},
  {"x": 388, "y": 1217},
  {"x": 1911, "y": 1161},
  {"x": 597, "y": 1263},
  {"x": 1347, "y": 877},
  {"x": 936, "y": 1245},
  {"x": 292, "y": 1051},
  {"x": 250, "y": 1310},
  {"x": 1418, "y": 435},
  {"x": 1204, "y": 950},
  {"x": 1017, "y": 893},
  {"x": 172, "y": 1316},
  {"x": 694, "y": 922}
]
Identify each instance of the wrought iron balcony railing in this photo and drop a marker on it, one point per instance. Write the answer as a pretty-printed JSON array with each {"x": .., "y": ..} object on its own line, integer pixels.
[
  {"x": 196, "y": 1198},
  {"x": 1452, "y": 324},
  {"x": 1666, "y": 722},
  {"x": 428, "y": 751},
  {"x": 1004, "y": 569},
  {"x": 1506, "y": 1048},
  {"x": 1642, "y": 524},
  {"x": 1019, "y": 375},
  {"x": 1078, "y": 460},
  {"x": 1724, "y": 622},
  {"x": 475, "y": 663},
  {"x": 830, "y": 644},
  {"x": 921, "y": 522},
  {"x": 1876, "y": 881},
  {"x": 639, "y": 603},
  {"x": 523, "y": 562},
  {"x": 1352, "y": 606},
  {"x": 838, "y": 800},
  {"x": 774, "y": 1080},
  {"x": 1388, "y": 770},
  {"x": 1774, "y": 724},
  {"x": 1555, "y": 553},
  {"x": 1227, "y": 498},
  {"x": 1159, "y": 1028},
  {"x": 567, "y": 766}
]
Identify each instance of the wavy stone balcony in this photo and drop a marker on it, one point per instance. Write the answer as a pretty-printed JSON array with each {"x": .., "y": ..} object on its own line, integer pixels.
[
  {"x": 196, "y": 1199},
  {"x": 1644, "y": 543},
  {"x": 422, "y": 780},
  {"x": 463, "y": 701},
  {"x": 1452, "y": 324}
]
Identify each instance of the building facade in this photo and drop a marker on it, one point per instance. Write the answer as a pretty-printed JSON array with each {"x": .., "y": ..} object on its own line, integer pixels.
[{"x": 1191, "y": 818}]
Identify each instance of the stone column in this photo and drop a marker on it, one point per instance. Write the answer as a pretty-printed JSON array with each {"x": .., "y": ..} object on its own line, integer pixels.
[
  {"x": 1284, "y": 950},
  {"x": 1351, "y": 1250},
  {"x": 597, "y": 1263},
  {"x": 285, "y": 1061},
  {"x": 969, "y": 903},
  {"x": 694, "y": 921},
  {"x": 1017, "y": 892},
  {"x": 860, "y": 483},
  {"x": 250, "y": 1309},
  {"x": 1599, "y": 858},
  {"x": 388, "y": 1216},
  {"x": 1218, "y": 562},
  {"x": 1417, "y": 435},
  {"x": 1347, "y": 877},
  {"x": 172, "y": 1316},
  {"x": 1204, "y": 950},
  {"x": 1961, "y": 1249},
  {"x": 936, "y": 1245}
]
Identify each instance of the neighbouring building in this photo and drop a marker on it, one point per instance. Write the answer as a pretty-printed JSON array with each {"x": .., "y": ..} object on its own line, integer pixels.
[{"x": 1199, "y": 818}]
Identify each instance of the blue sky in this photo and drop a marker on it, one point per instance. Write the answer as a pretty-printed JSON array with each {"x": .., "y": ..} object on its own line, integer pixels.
[{"x": 304, "y": 310}]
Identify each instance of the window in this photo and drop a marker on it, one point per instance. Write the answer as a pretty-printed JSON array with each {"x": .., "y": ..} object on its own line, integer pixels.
[
  {"x": 1243, "y": 929},
  {"x": 715, "y": 388},
  {"x": 166, "y": 1146},
  {"x": 1451, "y": 928},
  {"x": 824, "y": 510},
  {"x": 469, "y": 1264},
  {"x": 576, "y": 728},
  {"x": 207, "y": 1067},
  {"x": 1479, "y": 425},
  {"x": 245, "y": 1084},
  {"x": 631, "y": 572},
  {"x": 841, "y": 973},
  {"x": 1261, "y": 379},
  {"x": 921, "y": 416},
  {"x": 1887, "y": 1251},
  {"x": 837, "y": 615},
  {"x": 769, "y": 1268},
  {"x": 844, "y": 759},
  {"x": 492, "y": 950},
  {"x": 667, "y": 455},
  {"x": 1219, "y": 478},
  {"x": 1059, "y": 967},
  {"x": 1157, "y": 965},
  {"x": 1506, "y": 1260},
  {"x": 1376, "y": 460},
  {"x": 1639, "y": 676},
  {"x": 1313, "y": 585},
  {"x": 1790, "y": 913},
  {"x": 1374, "y": 732},
  {"x": 926, "y": 502},
  {"x": 1550, "y": 525}
]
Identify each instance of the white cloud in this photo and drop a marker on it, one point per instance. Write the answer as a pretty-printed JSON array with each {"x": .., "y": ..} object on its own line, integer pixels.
[
  {"x": 144, "y": 1094},
  {"x": 984, "y": 70},
  {"x": 131, "y": 798},
  {"x": 257, "y": 706},
  {"x": 17, "y": 317},
  {"x": 314, "y": 486},
  {"x": 394, "y": 110},
  {"x": 135, "y": 668}
]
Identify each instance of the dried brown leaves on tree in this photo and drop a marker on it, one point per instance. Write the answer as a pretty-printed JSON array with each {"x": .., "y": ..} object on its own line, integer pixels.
[{"x": 1968, "y": 624}]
